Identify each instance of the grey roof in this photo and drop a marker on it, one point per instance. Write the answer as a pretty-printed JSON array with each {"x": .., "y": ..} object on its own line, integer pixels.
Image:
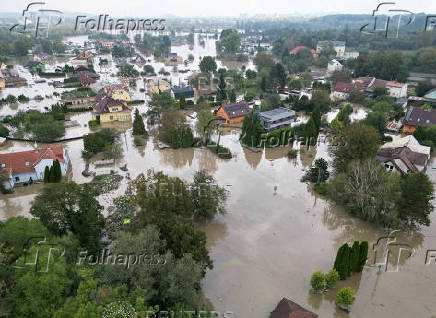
[
  {"x": 420, "y": 117},
  {"x": 236, "y": 109},
  {"x": 182, "y": 89},
  {"x": 277, "y": 114},
  {"x": 170, "y": 54}
]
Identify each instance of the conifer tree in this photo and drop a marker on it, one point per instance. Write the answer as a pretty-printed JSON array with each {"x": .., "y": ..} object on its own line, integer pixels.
[
  {"x": 46, "y": 174},
  {"x": 355, "y": 257},
  {"x": 346, "y": 262},
  {"x": 57, "y": 171},
  {"x": 363, "y": 254},
  {"x": 51, "y": 175},
  {"x": 138, "y": 124}
]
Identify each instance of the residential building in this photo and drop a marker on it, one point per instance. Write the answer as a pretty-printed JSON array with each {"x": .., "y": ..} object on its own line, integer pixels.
[
  {"x": 12, "y": 79},
  {"x": 35, "y": 66},
  {"x": 277, "y": 118},
  {"x": 334, "y": 65},
  {"x": 233, "y": 113},
  {"x": 288, "y": 309},
  {"x": 394, "y": 88},
  {"x": 418, "y": 117},
  {"x": 116, "y": 91},
  {"x": 187, "y": 91},
  {"x": 339, "y": 47},
  {"x": 172, "y": 59},
  {"x": 108, "y": 109},
  {"x": 156, "y": 86},
  {"x": 29, "y": 166},
  {"x": 404, "y": 155},
  {"x": 342, "y": 90},
  {"x": 431, "y": 95},
  {"x": 83, "y": 58},
  {"x": 73, "y": 102},
  {"x": 351, "y": 55},
  {"x": 302, "y": 47}
]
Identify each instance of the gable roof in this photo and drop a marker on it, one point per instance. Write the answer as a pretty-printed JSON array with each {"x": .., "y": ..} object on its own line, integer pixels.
[
  {"x": 343, "y": 87},
  {"x": 416, "y": 116},
  {"x": 102, "y": 106},
  {"x": 17, "y": 160},
  {"x": 296, "y": 49},
  {"x": 33, "y": 63},
  {"x": 236, "y": 109},
  {"x": 288, "y": 309},
  {"x": 431, "y": 94},
  {"x": 403, "y": 158}
]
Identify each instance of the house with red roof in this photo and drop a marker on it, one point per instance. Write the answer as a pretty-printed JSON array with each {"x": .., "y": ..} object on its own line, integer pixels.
[
  {"x": 342, "y": 90},
  {"x": 286, "y": 308},
  {"x": 29, "y": 166},
  {"x": 296, "y": 49},
  {"x": 233, "y": 113}
]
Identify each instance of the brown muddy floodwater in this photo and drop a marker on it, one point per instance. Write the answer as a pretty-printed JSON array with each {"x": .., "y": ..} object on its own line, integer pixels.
[{"x": 267, "y": 246}]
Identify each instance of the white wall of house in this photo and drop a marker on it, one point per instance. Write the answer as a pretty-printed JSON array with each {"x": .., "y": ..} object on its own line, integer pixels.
[
  {"x": 398, "y": 92},
  {"x": 339, "y": 95}
]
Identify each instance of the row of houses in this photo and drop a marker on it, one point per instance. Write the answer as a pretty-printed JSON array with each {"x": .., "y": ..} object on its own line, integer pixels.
[{"x": 367, "y": 85}]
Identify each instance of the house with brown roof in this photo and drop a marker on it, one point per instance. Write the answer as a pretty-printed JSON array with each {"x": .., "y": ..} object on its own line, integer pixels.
[
  {"x": 233, "y": 113},
  {"x": 342, "y": 90},
  {"x": 108, "y": 109},
  {"x": 394, "y": 88},
  {"x": 29, "y": 166},
  {"x": 404, "y": 155},
  {"x": 418, "y": 117},
  {"x": 286, "y": 308}
]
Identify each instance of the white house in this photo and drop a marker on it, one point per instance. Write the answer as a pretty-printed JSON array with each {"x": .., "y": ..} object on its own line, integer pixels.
[
  {"x": 397, "y": 90},
  {"x": 334, "y": 65},
  {"x": 29, "y": 166}
]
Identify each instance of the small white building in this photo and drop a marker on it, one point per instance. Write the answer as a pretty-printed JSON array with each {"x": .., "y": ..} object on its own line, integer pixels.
[
  {"x": 351, "y": 55},
  {"x": 29, "y": 166},
  {"x": 334, "y": 65}
]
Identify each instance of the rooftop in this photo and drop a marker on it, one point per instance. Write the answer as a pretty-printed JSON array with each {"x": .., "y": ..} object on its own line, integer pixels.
[
  {"x": 277, "y": 114},
  {"x": 431, "y": 94},
  {"x": 236, "y": 109}
]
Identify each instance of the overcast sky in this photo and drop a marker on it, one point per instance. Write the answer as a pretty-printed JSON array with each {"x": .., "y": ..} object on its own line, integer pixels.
[{"x": 187, "y": 8}]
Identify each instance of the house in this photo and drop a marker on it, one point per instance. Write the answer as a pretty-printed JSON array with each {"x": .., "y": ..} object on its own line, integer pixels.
[
  {"x": 117, "y": 92},
  {"x": 172, "y": 59},
  {"x": 138, "y": 60},
  {"x": 296, "y": 49},
  {"x": 286, "y": 308},
  {"x": 12, "y": 79},
  {"x": 339, "y": 47},
  {"x": 81, "y": 68},
  {"x": 351, "y": 55},
  {"x": 404, "y": 155},
  {"x": 3, "y": 66},
  {"x": 431, "y": 95},
  {"x": 35, "y": 66},
  {"x": 342, "y": 90},
  {"x": 108, "y": 109},
  {"x": 29, "y": 166},
  {"x": 83, "y": 58},
  {"x": 187, "y": 91},
  {"x": 418, "y": 117},
  {"x": 124, "y": 64},
  {"x": 233, "y": 113},
  {"x": 107, "y": 44},
  {"x": 154, "y": 87},
  {"x": 394, "y": 88},
  {"x": 277, "y": 118},
  {"x": 334, "y": 65},
  {"x": 394, "y": 126}
]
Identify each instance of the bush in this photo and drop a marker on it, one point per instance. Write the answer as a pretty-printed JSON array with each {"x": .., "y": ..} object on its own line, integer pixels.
[
  {"x": 321, "y": 188},
  {"x": 97, "y": 142},
  {"x": 222, "y": 152},
  {"x": 345, "y": 297},
  {"x": 363, "y": 254},
  {"x": 135, "y": 102},
  {"x": 318, "y": 173},
  {"x": 138, "y": 141},
  {"x": 292, "y": 153},
  {"x": 332, "y": 278},
  {"x": 93, "y": 123},
  {"x": 318, "y": 281},
  {"x": 23, "y": 99},
  {"x": 3, "y": 131}
]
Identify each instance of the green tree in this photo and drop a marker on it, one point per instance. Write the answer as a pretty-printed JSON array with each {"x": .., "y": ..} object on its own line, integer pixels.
[
  {"x": 310, "y": 131},
  {"x": 3, "y": 131},
  {"x": 380, "y": 91},
  {"x": 202, "y": 126},
  {"x": 415, "y": 204},
  {"x": 317, "y": 281},
  {"x": 356, "y": 142},
  {"x": 345, "y": 297},
  {"x": 57, "y": 172},
  {"x": 46, "y": 174},
  {"x": 332, "y": 278},
  {"x": 182, "y": 101},
  {"x": 363, "y": 254},
  {"x": 232, "y": 96},
  {"x": 221, "y": 91},
  {"x": 71, "y": 207},
  {"x": 252, "y": 130},
  {"x": 316, "y": 115},
  {"x": 138, "y": 124},
  {"x": 208, "y": 64},
  {"x": 208, "y": 197},
  {"x": 355, "y": 257}
]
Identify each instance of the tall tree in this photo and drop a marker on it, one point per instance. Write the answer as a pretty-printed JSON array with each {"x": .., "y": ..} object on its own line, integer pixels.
[{"x": 138, "y": 124}]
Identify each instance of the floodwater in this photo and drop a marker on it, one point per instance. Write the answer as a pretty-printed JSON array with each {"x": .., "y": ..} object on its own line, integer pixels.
[{"x": 269, "y": 243}]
